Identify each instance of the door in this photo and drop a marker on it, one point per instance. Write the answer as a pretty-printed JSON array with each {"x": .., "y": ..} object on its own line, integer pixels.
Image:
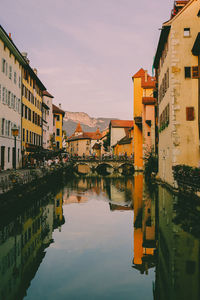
[{"x": 2, "y": 157}]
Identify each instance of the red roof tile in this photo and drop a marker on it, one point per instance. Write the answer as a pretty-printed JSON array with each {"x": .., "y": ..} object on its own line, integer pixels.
[
  {"x": 139, "y": 74},
  {"x": 57, "y": 110},
  {"x": 121, "y": 123},
  {"x": 79, "y": 128}
]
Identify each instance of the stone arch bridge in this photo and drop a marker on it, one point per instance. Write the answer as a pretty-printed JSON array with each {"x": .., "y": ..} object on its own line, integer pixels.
[{"x": 103, "y": 167}]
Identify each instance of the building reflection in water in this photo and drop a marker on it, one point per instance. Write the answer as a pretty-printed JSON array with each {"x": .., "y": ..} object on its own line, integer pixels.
[
  {"x": 23, "y": 242},
  {"x": 144, "y": 227},
  {"x": 178, "y": 265},
  {"x": 165, "y": 230}
]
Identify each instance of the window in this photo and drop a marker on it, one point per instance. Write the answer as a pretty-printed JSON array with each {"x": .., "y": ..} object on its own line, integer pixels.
[
  {"x": 3, "y": 126},
  {"x": 57, "y": 117},
  {"x": 9, "y": 98},
  {"x": 195, "y": 72},
  {"x": 190, "y": 113},
  {"x": 3, "y": 95},
  {"x": 10, "y": 72},
  {"x": 15, "y": 77},
  {"x": 58, "y": 145},
  {"x": 19, "y": 81},
  {"x": 8, "y": 154},
  {"x": 27, "y": 136},
  {"x": 3, "y": 65},
  {"x": 26, "y": 110},
  {"x": 186, "y": 32},
  {"x": 23, "y": 135},
  {"x": 187, "y": 72},
  {"x": 58, "y": 132},
  {"x": 148, "y": 133},
  {"x": 30, "y": 137}
]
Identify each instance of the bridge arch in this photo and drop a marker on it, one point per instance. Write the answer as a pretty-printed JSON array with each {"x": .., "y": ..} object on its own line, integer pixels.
[
  {"x": 126, "y": 169},
  {"x": 82, "y": 168},
  {"x": 105, "y": 169}
]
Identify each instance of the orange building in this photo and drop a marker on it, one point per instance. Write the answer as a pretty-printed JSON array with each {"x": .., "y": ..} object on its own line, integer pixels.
[
  {"x": 144, "y": 116},
  {"x": 144, "y": 228},
  {"x": 125, "y": 145}
]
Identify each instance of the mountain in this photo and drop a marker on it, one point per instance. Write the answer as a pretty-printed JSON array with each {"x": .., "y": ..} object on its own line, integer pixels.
[{"x": 88, "y": 123}]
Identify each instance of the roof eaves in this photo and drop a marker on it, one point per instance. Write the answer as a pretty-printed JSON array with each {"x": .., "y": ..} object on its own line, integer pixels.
[{"x": 162, "y": 40}]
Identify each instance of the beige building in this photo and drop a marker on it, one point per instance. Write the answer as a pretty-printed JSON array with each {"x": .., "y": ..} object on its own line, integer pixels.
[
  {"x": 84, "y": 143},
  {"x": 177, "y": 67}
]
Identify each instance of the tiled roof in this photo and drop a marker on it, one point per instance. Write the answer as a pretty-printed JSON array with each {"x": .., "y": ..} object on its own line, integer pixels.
[
  {"x": 83, "y": 136},
  {"x": 121, "y": 123},
  {"x": 95, "y": 135},
  {"x": 45, "y": 93},
  {"x": 125, "y": 140},
  {"x": 148, "y": 81},
  {"x": 57, "y": 110},
  {"x": 139, "y": 74},
  {"x": 79, "y": 128}
]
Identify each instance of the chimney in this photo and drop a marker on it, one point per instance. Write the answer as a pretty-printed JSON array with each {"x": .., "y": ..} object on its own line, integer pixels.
[
  {"x": 145, "y": 75},
  {"x": 25, "y": 55},
  {"x": 60, "y": 105},
  {"x": 10, "y": 36},
  {"x": 35, "y": 71}
]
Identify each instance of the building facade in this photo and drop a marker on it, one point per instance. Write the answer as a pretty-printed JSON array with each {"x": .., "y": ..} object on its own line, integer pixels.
[
  {"x": 47, "y": 119},
  {"x": 58, "y": 115},
  {"x": 11, "y": 62},
  {"x": 177, "y": 67},
  {"x": 144, "y": 116},
  {"x": 32, "y": 92}
]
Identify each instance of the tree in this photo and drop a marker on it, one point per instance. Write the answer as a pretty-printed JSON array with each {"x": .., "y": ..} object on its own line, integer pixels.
[{"x": 106, "y": 142}]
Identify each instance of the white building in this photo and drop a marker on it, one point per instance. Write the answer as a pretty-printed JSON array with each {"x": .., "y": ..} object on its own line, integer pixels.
[
  {"x": 11, "y": 62},
  {"x": 118, "y": 130},
  {"x": 47, "y": 119}
]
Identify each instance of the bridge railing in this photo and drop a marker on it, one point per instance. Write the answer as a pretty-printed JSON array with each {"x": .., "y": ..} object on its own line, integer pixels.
[{"x": 102, "y": 159}]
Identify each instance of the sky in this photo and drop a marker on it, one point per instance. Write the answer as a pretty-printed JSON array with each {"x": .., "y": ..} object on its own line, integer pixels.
[{"x": 86, "y": 51}]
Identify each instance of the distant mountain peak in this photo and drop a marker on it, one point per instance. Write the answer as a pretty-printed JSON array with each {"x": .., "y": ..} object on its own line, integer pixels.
[{"x": 88, "y": 123}]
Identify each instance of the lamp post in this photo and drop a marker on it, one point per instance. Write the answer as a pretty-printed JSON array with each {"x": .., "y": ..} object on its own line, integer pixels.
[{"x": 15, "y": 133}]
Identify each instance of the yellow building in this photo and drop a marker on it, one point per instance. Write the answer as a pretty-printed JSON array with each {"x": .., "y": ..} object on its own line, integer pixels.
[
  {"x": 125, "y": 145},
  {"x": 144, "y": 116},
  {"x": 58, "y": 115},
  {"x": 32, "y": 90},
  {"x": 177, "y": 67}
]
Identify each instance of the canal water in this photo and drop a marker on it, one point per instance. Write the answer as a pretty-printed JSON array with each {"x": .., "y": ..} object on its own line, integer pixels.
[{"x": 101, "y": 239}]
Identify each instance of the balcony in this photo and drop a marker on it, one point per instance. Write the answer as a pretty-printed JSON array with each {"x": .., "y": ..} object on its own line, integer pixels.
[
  {"x": 148, "y": 100},
  {"x": 138, "y": 121}
]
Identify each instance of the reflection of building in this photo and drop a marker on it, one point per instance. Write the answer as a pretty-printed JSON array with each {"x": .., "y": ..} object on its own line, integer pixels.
[
  {"x": 144, "y": 228},
  {"x": 22, "y": 245},
  {"x": 177, "y": 271}
]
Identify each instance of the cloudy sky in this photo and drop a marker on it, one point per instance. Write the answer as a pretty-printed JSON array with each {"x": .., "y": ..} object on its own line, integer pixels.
[{"x": 86, "y": 51}]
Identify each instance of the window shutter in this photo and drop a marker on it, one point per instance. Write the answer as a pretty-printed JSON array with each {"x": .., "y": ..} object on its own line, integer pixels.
[
  {"x": 190, "y": 113},
  {"x": 195, "y": 72}
]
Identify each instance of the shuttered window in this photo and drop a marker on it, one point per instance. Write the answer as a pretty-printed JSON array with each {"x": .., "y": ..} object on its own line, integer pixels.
[
  {"x": 190, "y": 113},
  {"x": 187, "y": 72},
  {"x": 195, "y": 72}
]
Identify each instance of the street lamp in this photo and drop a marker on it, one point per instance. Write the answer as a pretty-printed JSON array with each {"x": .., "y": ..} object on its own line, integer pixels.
[{"x": 15, "y": 133}]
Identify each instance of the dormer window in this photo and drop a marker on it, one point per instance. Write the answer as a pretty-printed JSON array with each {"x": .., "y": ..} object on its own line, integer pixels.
[{"x": 186, "y": 32}]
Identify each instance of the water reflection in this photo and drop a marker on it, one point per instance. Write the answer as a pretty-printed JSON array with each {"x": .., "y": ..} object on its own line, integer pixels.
[
  {"x": 114, "y": 238},
  {"x": 23, "y": 242}
]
